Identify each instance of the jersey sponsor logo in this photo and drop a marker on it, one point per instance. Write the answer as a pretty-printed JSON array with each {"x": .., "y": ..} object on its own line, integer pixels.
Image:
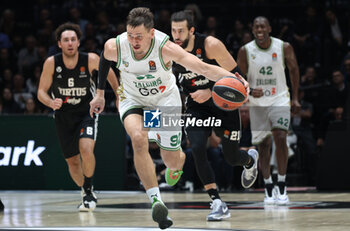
[
  {"x": 151, "y": 91},
  {"x": 152, "y": 87},
  {"x": 262, "y": 82},
  {"x": 274, "y": 56},
  {"x": 73, "y": 101},
  {"x": 152, "y": 66},
  {"x": 153, "y": 83},
  {"x": 59, "y": 69},
  {"x": 200, "y": 82},
  {"x": 189, "y": 75},
  {"x": 30, "y": 153},
  {"x": 73, "y": 91}
]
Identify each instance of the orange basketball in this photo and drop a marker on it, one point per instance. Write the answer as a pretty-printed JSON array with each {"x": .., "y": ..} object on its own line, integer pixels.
[{"x": 229, "y": 93}]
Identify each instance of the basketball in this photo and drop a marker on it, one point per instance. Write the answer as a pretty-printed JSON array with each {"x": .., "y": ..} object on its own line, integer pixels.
[{"x": 229, "y": 93}]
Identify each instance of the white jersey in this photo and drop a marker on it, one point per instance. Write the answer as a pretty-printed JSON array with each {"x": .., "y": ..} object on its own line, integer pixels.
[
  {"x": 147, "y": 79},
  {"x": 266, "y": 70}
]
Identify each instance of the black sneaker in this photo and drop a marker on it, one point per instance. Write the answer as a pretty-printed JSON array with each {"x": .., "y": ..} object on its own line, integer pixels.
[
  {"x": 281, "y": 193},
  {"x": 270, "y": 197},
  {"x": 249, "y": 175},
  {"x": 89, "y": 201}
]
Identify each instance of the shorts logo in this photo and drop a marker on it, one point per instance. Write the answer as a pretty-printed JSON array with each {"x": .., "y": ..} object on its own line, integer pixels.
[
  {"x": 152, "y": 66},
  {"x": 152, "y": 118},
  {"x": 226, "y": 133}
]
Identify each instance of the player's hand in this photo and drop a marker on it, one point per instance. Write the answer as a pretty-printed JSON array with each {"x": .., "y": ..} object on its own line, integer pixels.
[
  {"x": 295, "y": 106},
  {"x": 97, "y": 105},
  {"x": 257, "y": 92},
  {"x": 246, "y": 84},
  {"x": 201, "y": 95},
  {"x": 56, "y": 104}
]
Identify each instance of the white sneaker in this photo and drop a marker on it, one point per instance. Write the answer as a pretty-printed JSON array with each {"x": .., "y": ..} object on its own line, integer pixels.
[
  {"x": 219, "y": 211},
  {"x": 281, "y": 198},
  {"x": 249, "y": 175},
  {"x": 270, "y": 194},
  {"x": 89, "y": 201}
]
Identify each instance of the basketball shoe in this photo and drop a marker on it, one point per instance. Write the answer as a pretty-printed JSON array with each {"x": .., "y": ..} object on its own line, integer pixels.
[
  {"x": 281, "y": 193},
  {"x": 89, "y": 201},
  {"x": 160, "y": 214},
  {"x": 172, "y": 177},
  {"x": 270, "y": 194},
  {"x": 249, "y": 175},
  {"x": 219, "y": 211}
]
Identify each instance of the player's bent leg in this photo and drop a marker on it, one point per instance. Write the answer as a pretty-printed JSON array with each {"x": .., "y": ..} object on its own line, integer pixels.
[
  {"x": 174, "y": 160},
  {"x": 75, "y": 169},
  {"x": 143, "y": 162}
]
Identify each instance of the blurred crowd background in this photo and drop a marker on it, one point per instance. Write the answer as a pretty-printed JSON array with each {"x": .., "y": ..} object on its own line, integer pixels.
[{"x": 319, "y": 31}]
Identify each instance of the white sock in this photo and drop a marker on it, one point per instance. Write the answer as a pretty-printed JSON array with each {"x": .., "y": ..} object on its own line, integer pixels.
[
  {"x": 268, "y": 180},
  {"x": 281, "y": 178},
  {"x": 154, "y": 193}
]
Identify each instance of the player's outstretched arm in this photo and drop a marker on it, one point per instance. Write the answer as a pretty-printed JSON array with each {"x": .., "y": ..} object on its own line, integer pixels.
[{"x": 172, "y": 51}]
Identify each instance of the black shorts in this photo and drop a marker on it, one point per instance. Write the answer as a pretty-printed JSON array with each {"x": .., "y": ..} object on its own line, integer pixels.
[
  {"x": 71, "y": 126},
  {"x": 230, "y": 120}
]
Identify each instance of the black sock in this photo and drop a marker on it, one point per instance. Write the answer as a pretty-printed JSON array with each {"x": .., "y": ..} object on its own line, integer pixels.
[
  {"x": 281, "y": 186},
  {"x": 214, "y": 194},
  {"x": 87, "y": 185},
  {"x": 269, "y": 188}
]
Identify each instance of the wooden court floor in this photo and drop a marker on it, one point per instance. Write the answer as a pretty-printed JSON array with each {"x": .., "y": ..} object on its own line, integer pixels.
[{"x": 121, "y": 210}]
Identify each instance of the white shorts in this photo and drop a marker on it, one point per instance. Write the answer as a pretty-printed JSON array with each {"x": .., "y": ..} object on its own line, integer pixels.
[
  {"x": 167, "y": 138},
  {"x": 264, "y": 119}
]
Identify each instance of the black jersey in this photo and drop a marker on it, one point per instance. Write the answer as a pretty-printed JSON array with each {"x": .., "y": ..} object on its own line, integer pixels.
[
  {"x": 189, "y": 81},
  {"x": 74, "y": 86}
]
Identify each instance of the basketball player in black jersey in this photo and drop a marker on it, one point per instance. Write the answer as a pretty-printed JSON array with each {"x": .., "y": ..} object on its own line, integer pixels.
[
  {"x": 69, "y": 78},
  {"x": 200, "y": 105}
]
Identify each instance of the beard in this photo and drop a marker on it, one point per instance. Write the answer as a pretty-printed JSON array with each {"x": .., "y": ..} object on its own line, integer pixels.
[{"x": 185, "y": 43}]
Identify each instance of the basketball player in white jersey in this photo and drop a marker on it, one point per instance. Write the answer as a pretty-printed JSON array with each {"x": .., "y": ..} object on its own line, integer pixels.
[
  {"x": 263, "y": 62},
  {"x": 144, "y": 57}
]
